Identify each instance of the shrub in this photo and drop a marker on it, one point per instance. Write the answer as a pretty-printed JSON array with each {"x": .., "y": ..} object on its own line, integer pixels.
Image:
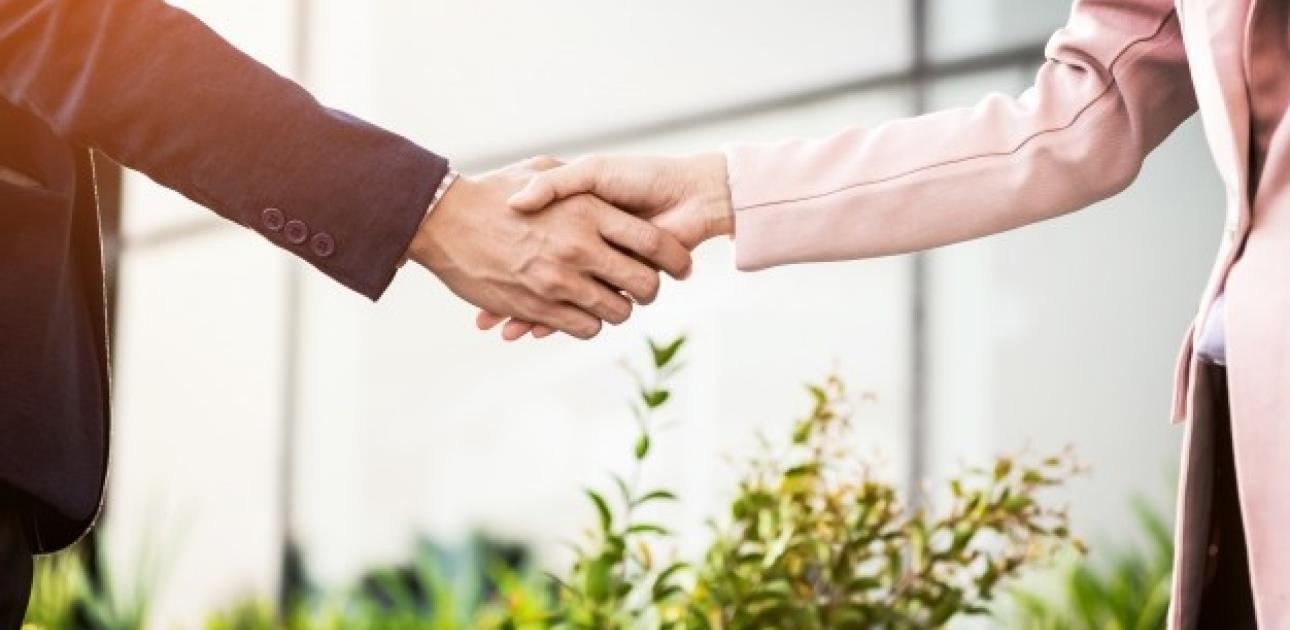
[
  {"x": 813, "y": 539},
  {"x": 1130, "y": 591}
]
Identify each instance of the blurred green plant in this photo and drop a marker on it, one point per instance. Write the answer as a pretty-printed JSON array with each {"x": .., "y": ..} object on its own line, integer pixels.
[
  {"x": 478, "y": 587},
  {"x": 1129, "y": 592},
  {"x": 814, "y": 540},
  {"x": 66, "y": 596},
  {"x": 616, "y": 582}
]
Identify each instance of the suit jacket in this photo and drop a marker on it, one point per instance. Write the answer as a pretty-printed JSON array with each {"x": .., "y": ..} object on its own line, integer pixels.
[
  {"x": 155, "y": 89},
  {"x": 1120, "y": 76}
]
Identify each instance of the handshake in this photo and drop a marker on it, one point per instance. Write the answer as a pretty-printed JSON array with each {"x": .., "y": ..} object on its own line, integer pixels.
[{"x": 544, "y": 246}]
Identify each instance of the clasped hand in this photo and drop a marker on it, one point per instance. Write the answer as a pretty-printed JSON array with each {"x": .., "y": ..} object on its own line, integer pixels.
[{"x": 545, "y": 246}]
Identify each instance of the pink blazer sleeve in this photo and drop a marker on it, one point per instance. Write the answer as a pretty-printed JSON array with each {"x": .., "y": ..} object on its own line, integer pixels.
[{"x": 1115, "y": 85}]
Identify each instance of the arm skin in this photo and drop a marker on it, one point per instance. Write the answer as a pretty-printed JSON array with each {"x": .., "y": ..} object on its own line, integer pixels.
[
  {"x": 155, "y": 89},
  {"x": 1116, "y": 83}
]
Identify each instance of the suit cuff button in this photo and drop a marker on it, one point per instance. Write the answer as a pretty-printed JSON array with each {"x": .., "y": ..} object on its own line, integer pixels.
[
  {"x": 323, "y": 245},
  {"x": 273, "y": 219},
  {"x": 296, "y": 231}
]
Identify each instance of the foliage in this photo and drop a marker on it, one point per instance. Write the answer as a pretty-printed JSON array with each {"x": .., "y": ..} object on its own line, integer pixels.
[
  {"x": 816, "y": 541},
  {"x": 616, "y": 582},
  {"x": 1130, "y": 592},
  {"x": 67, "y": 596},
  {"x": 475, "y": 589},
  {"x": 813, "y": 540}
]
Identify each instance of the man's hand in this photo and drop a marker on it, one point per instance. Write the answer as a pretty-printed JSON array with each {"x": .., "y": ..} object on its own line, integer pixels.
[
  {"x": 689, "y": 197},
  {"x": 562, "y": 268}
]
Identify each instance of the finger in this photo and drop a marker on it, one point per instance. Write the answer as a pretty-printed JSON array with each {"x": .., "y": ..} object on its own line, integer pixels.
[
  {"x": 538, "y": 331},
  {"x": 560, "y": 316},
  {"x": 570, "y": 285},
  {"x": 558, "y": 183},
  {"x": 603, "y": 302},
  {"x": 542, "y": 163},
  {"x": 487, "y": 321},
  {"x": 648, "y": 241},
  {"x": 515, "y": 328},
  {"x": 627, "y": 274}
]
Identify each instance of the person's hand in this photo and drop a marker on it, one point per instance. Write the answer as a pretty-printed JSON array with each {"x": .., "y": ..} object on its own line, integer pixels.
[
  {"x": 689, "y": 197},
  {"x": 563, "y": 267}
]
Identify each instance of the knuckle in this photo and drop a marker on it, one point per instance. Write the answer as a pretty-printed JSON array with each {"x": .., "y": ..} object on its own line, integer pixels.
[
  {"x": 651, "y": 240},
  {"x": 535, "y": 311},
  {"x": 570, "y": 251},
  {"x": 548, "y": 284},
  {"x": 594, "y": 302}
]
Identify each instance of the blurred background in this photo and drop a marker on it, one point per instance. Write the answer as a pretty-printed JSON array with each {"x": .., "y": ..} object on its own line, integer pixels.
[{"x": 262, "y": 408}]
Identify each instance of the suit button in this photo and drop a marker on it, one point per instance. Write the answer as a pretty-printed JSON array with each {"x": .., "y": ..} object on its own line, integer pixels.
[
  {"x": 273, "y": 219},
  {"x": 323, "y": 244},
  {"x": 296, "y": 231}
]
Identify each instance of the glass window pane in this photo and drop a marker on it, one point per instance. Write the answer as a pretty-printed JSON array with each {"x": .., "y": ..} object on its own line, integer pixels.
[
  {"x": 1065, "y": 332},
  {"x": 198, "y": 399},
  {"x": 443, "y": 430},
  {"x": 262, "y": 29},
  {"x": 961, "y": 28},
  {"x": 474, "y": 79}
]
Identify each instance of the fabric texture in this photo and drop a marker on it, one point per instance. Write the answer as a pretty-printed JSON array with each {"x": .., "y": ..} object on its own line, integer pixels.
[
  {"x": 1119, "y": 77},
  {"x": 1226, "y": 599},
  {"x": 15, "y": 562},
  {"x": 155, "y": 89}
]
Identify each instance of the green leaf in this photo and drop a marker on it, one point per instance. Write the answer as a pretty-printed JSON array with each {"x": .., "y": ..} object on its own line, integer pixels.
[
  {"x": 821, "y": 397},
  {"x": 648, "y": 528},
  {"x": 602, "y": 508},
  {"x": 597, "y": 579},
  {"x": 665, "y": 353},
  {"x": 662, "y": 589},
  {"x": 657, "y": 495},
  {"x": 655, "y": 398},
  {"x": 802, "y": 432},
  {"x": 642, "y": 446},
  {"x": 862, "y": 584},
  {"x": 623, "y": 490},
  {"x": 802, "y": 470},
  {"x": 1002, "y": 467}
]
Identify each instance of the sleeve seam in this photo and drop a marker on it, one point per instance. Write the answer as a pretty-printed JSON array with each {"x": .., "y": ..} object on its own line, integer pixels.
[{"x": 1075, "y": 119}]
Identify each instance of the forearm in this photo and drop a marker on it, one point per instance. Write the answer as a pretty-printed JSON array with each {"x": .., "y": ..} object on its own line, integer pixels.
[
  {"x": 154, "y": 88},
  {"x": 1115, "y": 86}
]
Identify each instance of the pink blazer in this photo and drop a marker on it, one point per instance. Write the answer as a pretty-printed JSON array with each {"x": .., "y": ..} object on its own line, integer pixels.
[{"x": 1120, "y": 76}]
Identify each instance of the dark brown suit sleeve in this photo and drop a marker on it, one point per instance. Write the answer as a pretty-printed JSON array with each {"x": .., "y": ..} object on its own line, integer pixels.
[{"x": 157, "y": 90}]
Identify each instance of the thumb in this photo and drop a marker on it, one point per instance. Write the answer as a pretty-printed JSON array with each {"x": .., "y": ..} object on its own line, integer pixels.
[
  {"x": 556, "y": 184},
  {"x": 536, "y": 195}
]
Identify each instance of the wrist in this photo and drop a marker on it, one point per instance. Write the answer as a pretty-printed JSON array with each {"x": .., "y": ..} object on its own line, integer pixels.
[
  {"x": 712, "y": 192},
  {"x": 453, "y": 194}
]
